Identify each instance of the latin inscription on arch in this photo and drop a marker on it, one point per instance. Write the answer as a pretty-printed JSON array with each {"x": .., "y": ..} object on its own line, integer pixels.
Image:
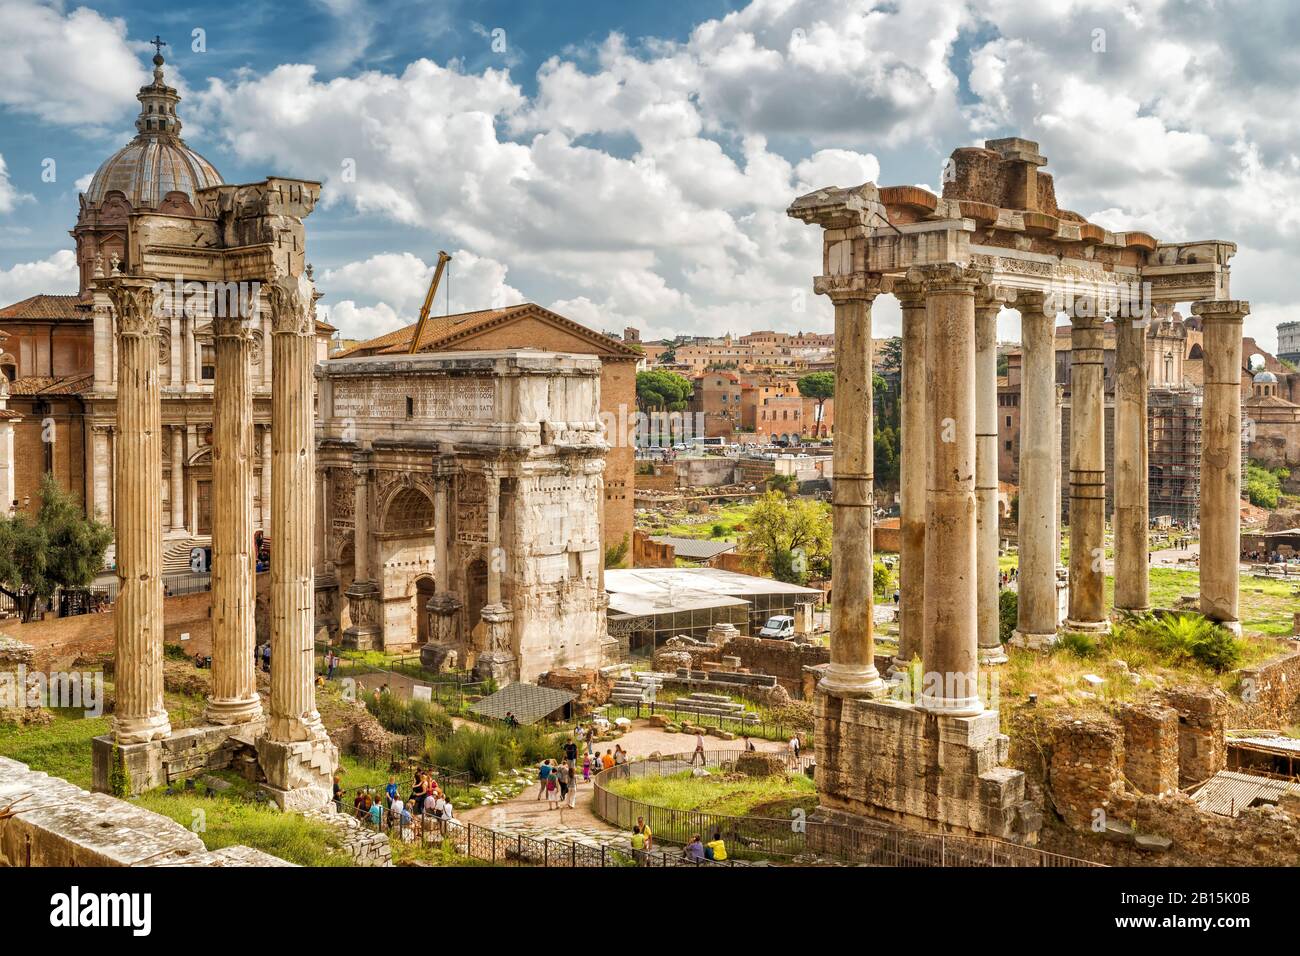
[{"x": 438, "y": 399}]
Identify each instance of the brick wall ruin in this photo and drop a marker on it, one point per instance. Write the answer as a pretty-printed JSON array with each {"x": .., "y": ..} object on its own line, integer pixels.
[{"x": 1114, "y": 784}]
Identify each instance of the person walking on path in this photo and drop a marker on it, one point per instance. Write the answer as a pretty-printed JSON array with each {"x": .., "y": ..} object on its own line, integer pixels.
[
  {"x": 573, "y": 787},
  {"x": 699, "y": 750},
  {"x": 543, "y": 775},
  {"x": 553, "y": 788}
]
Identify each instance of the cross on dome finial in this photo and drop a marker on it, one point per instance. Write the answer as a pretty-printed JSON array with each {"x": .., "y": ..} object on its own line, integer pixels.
[{"x": 158, "y": 43}]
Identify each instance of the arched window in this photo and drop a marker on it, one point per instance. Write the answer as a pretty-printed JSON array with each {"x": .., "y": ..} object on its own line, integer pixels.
[{"x": 410, "y": 510}]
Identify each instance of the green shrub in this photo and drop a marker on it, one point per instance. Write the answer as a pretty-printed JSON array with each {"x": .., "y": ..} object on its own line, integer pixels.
[
  {"x": 1192, "y": 637},
  {"x": 1008, "y": 611},
  {"x": 483, "y": 752},
  {"x": 403, "y": 716},
  {"x": 1079, "y": 644}
]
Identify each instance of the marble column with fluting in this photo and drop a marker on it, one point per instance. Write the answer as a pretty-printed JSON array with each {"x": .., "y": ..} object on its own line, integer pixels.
[
  {"x": 178, "y": 478},
  {"x": 852, "y": 669},
  {"x": 986, "y": 479},
  {"x": 1087, "y": 472},
  {"x": 139, "y": 713},
  {"x": 266, "y": 473},
  {"x": 1132, "y": 586},
  {"x": 365, "y": 630},
  {"x": 293, "y": 469},
  {"x": 1220, "y": 514},
  {"x": 950, "y": 652},
  {"x": 1036, "y": 577},
  {"x": 912, "y": 480},
  {"x": 234, "y": 698}
]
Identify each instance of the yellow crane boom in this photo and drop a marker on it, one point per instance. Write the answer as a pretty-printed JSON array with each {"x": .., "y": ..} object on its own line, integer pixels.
[{"x": 443, "y": 259}]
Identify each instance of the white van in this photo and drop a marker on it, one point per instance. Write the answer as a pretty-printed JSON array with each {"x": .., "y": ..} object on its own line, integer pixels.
[{"x": 780, "y": 628}]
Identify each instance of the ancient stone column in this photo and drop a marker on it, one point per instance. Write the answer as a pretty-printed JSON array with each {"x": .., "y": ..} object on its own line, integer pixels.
[
  {"x": 266, "y": 477},
  {"x": 1220, "y": 514},
  {"x": 951, "y": 643},
  {"x": 496, "y": 658},
  {"x": 296, "y": 755},
  {"x": 1087, "y": 472},
  {"x": 178, "y": 478},
  {"x": 444, "y": 607},
  {"x": 986, "y": 478},
  {"x": 1132, "y": 589},
  {"x": 852, "y": 669},
  {"x": 234, "y": 697},
  {"x": 912, "y": 480},
  {"x": 1058, "y": 442},
  {"x": 365, "y": 632},
  {"x": 139, "y": 715},
  {"x": 1036, "y": 579}
]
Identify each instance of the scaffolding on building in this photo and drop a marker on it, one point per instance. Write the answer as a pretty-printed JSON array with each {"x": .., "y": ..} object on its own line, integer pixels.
[{"x": 1174, "y": 453}]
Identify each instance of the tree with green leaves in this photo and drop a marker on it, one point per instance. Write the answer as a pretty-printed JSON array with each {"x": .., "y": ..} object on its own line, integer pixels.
[
  {"x": 60, "y": 548},
  {"x": 660, "y": 390},
  {"x": 891, "y": 354},
  {"x": 821, "y": 386},
  {"x": 790, "y": 535}
]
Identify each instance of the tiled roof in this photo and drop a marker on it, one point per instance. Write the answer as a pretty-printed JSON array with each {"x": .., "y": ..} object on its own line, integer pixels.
[
  {"x": 528, "y": 702},
  {"x": 440, "y": 331},
  {"x": 51, "y": 385},
  {"x": 699, "y": 549},
  {"x": 45, "y": 307}
]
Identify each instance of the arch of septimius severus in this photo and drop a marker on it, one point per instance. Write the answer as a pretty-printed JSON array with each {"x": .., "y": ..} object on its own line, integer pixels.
[{"x": 995, "y": 238}]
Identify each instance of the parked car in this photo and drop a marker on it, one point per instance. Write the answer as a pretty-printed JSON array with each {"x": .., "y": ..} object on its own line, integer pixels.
[{"x": 780, "y": 627}]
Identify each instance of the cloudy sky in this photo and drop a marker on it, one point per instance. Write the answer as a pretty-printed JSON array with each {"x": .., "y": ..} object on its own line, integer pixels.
[{"x": 630, "y": 164}]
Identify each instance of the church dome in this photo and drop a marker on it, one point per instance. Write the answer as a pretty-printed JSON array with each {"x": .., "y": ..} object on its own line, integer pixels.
[
  {"x": 157, "y": 162},
  {"x": 1265, "y": 378}
]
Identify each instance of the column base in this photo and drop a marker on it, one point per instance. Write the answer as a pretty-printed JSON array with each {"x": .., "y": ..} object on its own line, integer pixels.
[
  {"x": 951, "y": 706},
  {"x": 227, "y": 713},
  {"x": 141, "y": 730},
  {"x": 852, "y": 680},
  {"x": 1234, "y": 627},
  {"x": 363, "y": 639},
  {"x": 1031, "y": 641},
  {"x": 993, "y": 655},
  {"x": 502, "y": 668},
  {"x": 299, "y": 774},
  {"x": 1090, "y": 627}
]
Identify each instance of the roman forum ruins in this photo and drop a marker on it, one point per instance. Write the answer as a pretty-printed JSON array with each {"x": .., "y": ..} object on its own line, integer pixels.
[
  {"x": 249, "y": 236},
  {"x": 995, "y": 238}
]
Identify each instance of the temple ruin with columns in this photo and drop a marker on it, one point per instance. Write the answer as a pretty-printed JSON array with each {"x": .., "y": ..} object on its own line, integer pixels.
[
  {"x": 935, "y": 758},
  {"x": 251, "y": 237}
]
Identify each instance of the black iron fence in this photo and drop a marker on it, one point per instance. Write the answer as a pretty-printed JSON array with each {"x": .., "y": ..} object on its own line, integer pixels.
[
  {"x": 798, "y": 838},
  {"x": 762, "y": 726}
]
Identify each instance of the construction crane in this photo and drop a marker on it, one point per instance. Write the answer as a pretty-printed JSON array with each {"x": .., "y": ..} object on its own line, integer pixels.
[{"x": 443, "y": 259}]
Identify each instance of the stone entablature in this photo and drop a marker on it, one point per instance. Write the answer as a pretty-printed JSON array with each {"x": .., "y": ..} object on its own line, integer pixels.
[{"x": 465, "y": 503}]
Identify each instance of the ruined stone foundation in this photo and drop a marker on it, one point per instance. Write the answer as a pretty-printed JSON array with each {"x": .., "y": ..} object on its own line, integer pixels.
[{"x": 893, "y": 762}]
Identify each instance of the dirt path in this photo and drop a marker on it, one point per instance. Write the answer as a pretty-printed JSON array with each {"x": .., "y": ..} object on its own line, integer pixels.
[{"x": 528, "y": 816}]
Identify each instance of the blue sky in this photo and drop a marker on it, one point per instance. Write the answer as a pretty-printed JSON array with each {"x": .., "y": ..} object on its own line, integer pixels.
[{"x": 631, "y": 163}]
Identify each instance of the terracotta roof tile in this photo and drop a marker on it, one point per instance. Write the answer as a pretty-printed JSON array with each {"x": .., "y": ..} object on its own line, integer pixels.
[
  {"x": 45, "y": 307},
  {"x": 440, "y": 330}
]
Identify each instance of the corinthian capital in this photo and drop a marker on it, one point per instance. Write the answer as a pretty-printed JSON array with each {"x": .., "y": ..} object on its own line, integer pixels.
[
  {"x": 947, "y": 277},
  {"x": 134, "y": 300},
  {"x": 293, "y": 306},
  {"x": 850, "y": 285}
]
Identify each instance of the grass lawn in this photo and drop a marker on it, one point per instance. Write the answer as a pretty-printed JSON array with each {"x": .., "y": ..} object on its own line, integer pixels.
[
  {"x": 231, "y": 818},
  {"x": 759, "y": 796},
  {"x": 60, "y": 748},
  {"x": 682, "y": 524}
]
